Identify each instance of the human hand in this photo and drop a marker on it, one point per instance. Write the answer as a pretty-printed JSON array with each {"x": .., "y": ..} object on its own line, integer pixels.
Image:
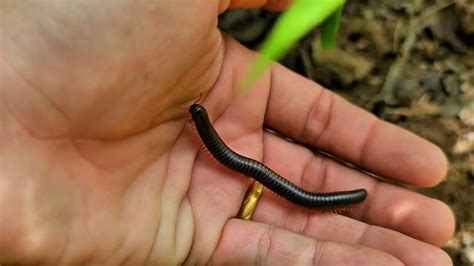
[{"x": 99, "y": 165}]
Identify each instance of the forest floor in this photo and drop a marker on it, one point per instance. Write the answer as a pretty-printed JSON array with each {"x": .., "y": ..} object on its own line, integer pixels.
[{"x": 410, "y": 63}]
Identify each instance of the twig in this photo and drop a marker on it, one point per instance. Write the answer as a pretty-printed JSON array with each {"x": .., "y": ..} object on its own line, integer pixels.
[{"x": 387, "y": 93}]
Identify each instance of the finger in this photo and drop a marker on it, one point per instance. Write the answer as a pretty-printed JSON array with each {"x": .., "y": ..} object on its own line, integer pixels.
[
  {"x": 273, "y": 5},
  {"x": 338, "y": 228},
  {"x": 250, "y": 243},
  {"x": 387, "y": 205},
  {"x": 303, "y": 110}
]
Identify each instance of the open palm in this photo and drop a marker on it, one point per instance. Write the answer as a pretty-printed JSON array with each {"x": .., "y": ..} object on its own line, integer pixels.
[{"x": 100, "y": 165}]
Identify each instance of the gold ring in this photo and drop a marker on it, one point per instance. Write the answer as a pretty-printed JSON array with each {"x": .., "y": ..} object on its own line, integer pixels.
[{"x": 251, "y": 200}]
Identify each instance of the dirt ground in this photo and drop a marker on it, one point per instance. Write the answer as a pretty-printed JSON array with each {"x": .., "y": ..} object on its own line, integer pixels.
[{"x": 410, "y": 63}]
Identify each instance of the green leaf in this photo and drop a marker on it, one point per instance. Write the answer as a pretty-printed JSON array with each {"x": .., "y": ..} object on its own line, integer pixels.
[
  {"x": 329, "y": 29},
  {"x": 293, "y": 24}
]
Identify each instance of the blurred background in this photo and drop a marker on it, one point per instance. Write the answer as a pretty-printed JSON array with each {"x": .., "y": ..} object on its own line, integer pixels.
[{"x": 408, "y": 62}]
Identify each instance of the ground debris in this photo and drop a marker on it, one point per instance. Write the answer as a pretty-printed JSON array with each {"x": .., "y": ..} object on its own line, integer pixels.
[
  {"x": 464, "y": 144},
  {"x": 353, "y": 68},
  {"x": 467, "y": 115},
  {"x": 465, "y": 12}
]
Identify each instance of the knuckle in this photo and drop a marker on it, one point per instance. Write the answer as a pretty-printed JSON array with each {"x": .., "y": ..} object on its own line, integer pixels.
[
  {"x": 318, "y": 117},
  {"x": 264, "y": 244}
]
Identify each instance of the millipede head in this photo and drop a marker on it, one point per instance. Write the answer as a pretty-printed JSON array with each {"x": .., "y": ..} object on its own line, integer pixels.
[
  {"x": 197, "y": 111},
  {"x": 196, "y": 108}
]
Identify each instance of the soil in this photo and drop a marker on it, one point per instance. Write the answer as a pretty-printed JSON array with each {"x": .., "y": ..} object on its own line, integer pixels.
[{"x": 408, "y": 62}]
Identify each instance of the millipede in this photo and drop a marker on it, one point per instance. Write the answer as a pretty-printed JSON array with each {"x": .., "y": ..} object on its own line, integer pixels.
[{"x": 263, "y": 174}]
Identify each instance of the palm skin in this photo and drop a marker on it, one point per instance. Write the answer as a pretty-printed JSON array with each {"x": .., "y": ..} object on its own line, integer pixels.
[{"x": 100, "y": 165}]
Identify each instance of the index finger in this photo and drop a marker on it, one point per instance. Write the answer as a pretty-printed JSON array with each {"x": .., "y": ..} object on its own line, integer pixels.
[{"x": 306, "y": 112}]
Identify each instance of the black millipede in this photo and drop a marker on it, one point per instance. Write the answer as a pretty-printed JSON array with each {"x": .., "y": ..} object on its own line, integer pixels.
[{"x": 267, "y": 177}]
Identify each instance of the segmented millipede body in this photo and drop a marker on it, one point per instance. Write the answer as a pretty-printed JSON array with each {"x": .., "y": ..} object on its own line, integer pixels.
[{"x": 267, "y": 177}]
